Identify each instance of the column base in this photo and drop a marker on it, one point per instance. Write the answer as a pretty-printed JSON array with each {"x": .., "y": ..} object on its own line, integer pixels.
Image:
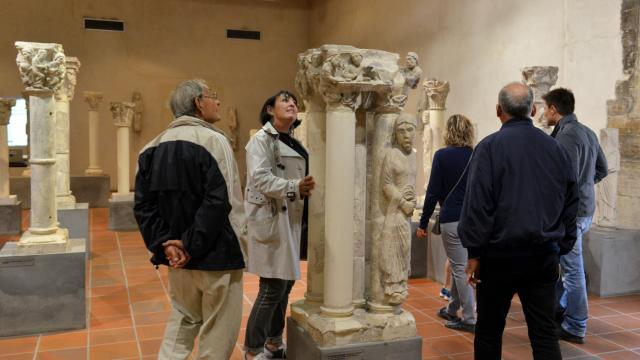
[
  {"x": 302, "y": 346},
  {"x": 362, "y": 327},
  {"x": 43, "y": 244},
  {"x": 66, "y": 201},
  {"x": 93, "y": 171}
]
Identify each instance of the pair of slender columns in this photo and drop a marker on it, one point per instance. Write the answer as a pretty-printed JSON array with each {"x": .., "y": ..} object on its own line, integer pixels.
[{"x": 331, "y": 232}]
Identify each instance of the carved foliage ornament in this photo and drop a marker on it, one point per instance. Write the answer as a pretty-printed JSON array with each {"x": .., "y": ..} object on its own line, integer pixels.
[
  {"x": 67, "y": 90},
  {"x": 122, "y": 113},
  {"x": 5, "y": 110},
  {"x": 93, "y": 99},
  {"x": 436, "y": 92},
  {"x": 42, "y": 66}
]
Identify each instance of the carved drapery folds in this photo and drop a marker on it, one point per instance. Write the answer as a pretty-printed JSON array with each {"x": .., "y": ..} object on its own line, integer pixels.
[{"x": 138, "y": 111}]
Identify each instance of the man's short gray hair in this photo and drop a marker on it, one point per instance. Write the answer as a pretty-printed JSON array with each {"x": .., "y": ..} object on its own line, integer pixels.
[
  {"x": 515, "y": 101},
  {"x": 183, "y": 98}
]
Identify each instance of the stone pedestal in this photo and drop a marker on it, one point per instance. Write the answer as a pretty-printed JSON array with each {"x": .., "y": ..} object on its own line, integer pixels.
[
  {"x": 10, "y": 219},
  {"x": 121, "y": 214},
  {"x": 42, "y": 292},
  {"x": 419, "y": 252},
  {"x": 76, "y": 220},
  {"x": 42, "y": 68},
  {"x": 93, "y": 99},
  {"x": 611, "y": 261},
  {"x": 63, "y": 96}
]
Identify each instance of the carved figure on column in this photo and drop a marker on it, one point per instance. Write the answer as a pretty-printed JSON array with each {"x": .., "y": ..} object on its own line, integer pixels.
[
  {"x": 232, "y": 115},
  {"x": 540, "y": 79},
  {"x": 42, "y": 66},
  {"x": 5, "y": 115},
  {"x": 138, "y": 111},
  {"x": 607, "y": 189},
  {"x": 398, "y": 201}
]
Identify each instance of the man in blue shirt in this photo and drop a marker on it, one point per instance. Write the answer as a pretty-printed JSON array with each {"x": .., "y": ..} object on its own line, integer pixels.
[
  {"x": 518, "y": 214},
  {"x": 590, "y": 167}
]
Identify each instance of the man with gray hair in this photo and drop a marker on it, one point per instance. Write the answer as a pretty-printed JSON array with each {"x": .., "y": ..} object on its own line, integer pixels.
[
  {"x": 189, "y": 207},
  {"x": 518, "y": 216}
]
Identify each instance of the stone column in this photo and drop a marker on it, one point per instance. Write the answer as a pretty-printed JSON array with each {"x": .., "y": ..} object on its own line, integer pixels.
[
  {"x": 122, "y": 118},
  {"x": 540, "y": 79},
  {"x": 436, "y": 92},
  {"x": 5, "y": 115},
  {"x": 42, "y": 69},
  {"x": 93, "y": 99},
  {"x": 63, "y": 96},
  {"x": 339, "y": 195}
]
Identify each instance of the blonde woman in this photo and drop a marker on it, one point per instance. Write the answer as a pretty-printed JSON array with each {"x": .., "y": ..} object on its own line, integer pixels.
[{"x": 446, "y": 186}]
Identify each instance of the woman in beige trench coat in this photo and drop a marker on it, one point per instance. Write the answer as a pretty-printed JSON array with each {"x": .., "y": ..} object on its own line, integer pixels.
[{"x": 274, "y": 201}]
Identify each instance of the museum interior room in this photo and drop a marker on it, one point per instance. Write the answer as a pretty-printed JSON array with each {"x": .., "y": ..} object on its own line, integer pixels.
[{"x": 86, "y": 85}]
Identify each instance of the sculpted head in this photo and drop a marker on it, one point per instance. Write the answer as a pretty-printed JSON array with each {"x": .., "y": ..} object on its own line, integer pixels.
[
  {"x": 404, "y": 131},
  {"x": 412, "y": 60}
]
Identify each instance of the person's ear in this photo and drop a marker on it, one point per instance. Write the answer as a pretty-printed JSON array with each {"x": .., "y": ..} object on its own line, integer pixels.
[
  {"x": 198, "y": 102},
  {"x": 534, "y": 110},
  {"x": 270, "y": 110},
  {"x": 498, "y": 110}
]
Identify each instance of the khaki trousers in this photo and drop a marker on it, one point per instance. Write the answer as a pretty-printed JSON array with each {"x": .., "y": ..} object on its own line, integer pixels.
[{"x": 208, "y": 303}]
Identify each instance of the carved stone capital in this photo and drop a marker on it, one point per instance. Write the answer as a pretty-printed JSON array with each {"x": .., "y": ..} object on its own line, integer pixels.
[
  {"x": 5, "y": 110},
  {"x": 93, "y": 98},
  {"x": 41, "y": 65},
  {"x": 67, "y": 90},
  {"x": 436, "y": 92},
  {"x": 122, "y": 112},
  {"x": 540, "y": 79}
]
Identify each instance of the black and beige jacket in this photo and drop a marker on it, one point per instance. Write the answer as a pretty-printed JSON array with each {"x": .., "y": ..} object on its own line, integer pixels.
[{"x": 187, "y": 187}]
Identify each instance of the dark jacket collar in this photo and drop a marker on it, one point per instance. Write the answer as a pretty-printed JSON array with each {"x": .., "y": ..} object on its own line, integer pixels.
[
  {"x": 567, "y": 119},
  {"x": 517, "y": 121}
]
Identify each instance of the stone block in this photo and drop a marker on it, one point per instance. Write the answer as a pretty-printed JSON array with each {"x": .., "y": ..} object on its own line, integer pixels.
[
  {"x": 611, "y": 261},
  {"x": 10, "y": 219},
  {"x": 418, "y": 253},
  {"x": 94, "y": 190},
  {"x": 76, "y": 221},
  {"x": 42, "y": 292},
  {"x": 301, "y": 346},
  {"x": 121, "y": 216},
  {"x": 436, "y": 255}
]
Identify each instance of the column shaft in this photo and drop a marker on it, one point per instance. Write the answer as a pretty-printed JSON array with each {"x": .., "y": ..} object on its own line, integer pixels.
[
  {"x": 4, "y": 162},
  {"x": 64, "y": 199},
  {"x": 123, "y": 160},
  {"x": 338, "y": 259},
  {"x": 436, "y": 118}
]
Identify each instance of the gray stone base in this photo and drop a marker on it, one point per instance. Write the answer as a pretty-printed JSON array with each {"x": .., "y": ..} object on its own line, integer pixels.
[
  {"x": 10, "y": 219},
  {"x": 436, "y": 255},
  {"x": 611, "y": 261},
  {"x": 44, "y": 292},
  {"x": 300, "y": 346},
  {"x": 418, "y": 253},
  {"x": 76, "y": 221},
  {"x": 121, "y": 216},
  {"x": 94, "y": 190}
]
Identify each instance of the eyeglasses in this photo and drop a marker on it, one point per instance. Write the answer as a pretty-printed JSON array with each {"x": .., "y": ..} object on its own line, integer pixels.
[{"x": 214, "y": 96}]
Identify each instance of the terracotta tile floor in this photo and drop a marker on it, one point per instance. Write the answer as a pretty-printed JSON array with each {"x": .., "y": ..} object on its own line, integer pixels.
[{"x": 129, "y": 305}]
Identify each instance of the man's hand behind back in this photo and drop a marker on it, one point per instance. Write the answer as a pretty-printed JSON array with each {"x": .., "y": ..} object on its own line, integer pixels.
[{"x": 176, "y": 254}]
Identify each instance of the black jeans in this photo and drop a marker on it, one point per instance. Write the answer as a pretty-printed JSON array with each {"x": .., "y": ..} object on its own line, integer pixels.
[
  {"x": 533, "y": 279},
  {"x": 266, "y": 321}
]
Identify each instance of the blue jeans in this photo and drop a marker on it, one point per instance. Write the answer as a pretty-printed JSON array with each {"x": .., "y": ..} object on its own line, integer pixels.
[{"x": 572, "y": 287}]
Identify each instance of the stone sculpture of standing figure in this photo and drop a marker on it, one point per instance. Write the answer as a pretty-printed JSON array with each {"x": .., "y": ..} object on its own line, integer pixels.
[{"x": 398, "y": 203}]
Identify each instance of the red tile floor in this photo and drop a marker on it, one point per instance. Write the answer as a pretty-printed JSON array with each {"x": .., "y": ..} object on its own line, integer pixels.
[{"x": 129, "y": 305}]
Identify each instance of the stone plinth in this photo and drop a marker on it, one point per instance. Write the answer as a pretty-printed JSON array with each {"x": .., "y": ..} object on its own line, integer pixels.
[
  {"x": 611, "y": 261},
  {"x": 42, "y": 292},
  {"x": 10, "y": 219},
  {"x": 121, "y": 216}
]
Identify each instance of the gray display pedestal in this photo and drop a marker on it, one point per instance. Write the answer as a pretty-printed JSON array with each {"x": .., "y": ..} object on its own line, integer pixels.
[
  {"x": 10, "y": 219},
  {"x": 302, "y": 347},
  {"x": 94, "y": 190},
  {"x": 43, "y": 292},
  {"x": 76, "y": 220},
  {"x": 612, "y": 261},
  {"x": 418, "y": 252},
  {"x": 121, "y": 215}
]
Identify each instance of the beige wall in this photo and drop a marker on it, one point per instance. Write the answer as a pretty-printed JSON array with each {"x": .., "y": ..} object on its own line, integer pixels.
[
  {"x": 479, "y": 45},
  {"x": 165, "y": 42}
]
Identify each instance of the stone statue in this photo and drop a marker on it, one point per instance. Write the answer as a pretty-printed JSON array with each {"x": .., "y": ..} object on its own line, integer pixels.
[
  {"x": 427, "y": 146},
  {"x": 138, "y": 110},
  {"x": 540, "y": 79},
  {"x": 412, "y": 73},
  {"x": 233, "y": 127},
  {"x": 398, "y": 203},
  {"x": 607, "y": 189},
  {"x": 41, "y": 66}
]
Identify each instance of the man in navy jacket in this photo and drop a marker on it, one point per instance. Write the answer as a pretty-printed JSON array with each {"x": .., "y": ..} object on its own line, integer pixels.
[{"x": 518, "y": 215}]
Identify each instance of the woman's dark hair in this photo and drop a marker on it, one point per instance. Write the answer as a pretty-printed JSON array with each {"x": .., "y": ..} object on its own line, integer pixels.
[{"x": 265, "y": 117}]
